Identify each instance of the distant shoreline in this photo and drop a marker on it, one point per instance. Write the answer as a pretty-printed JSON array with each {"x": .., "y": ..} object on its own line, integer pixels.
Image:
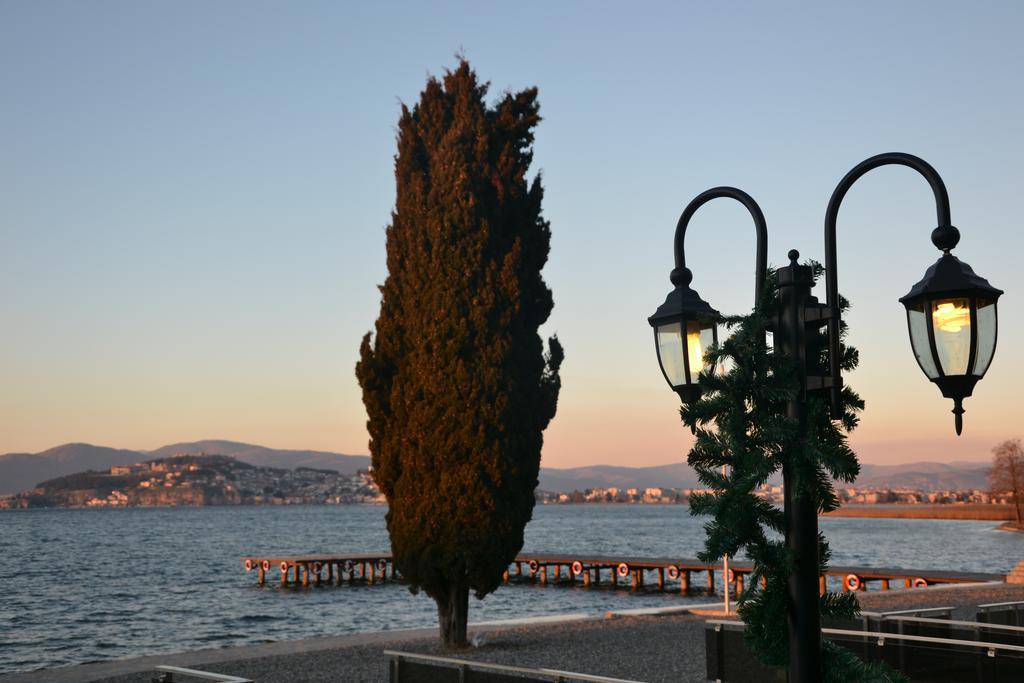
[{"x": 969, "y": 511}]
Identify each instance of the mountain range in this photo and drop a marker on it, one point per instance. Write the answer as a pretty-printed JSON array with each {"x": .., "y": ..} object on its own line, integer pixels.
[{"x": 22, "y": 471}]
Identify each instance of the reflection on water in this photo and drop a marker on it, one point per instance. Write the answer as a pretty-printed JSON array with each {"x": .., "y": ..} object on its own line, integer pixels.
[{"x": 84, "y": 585}]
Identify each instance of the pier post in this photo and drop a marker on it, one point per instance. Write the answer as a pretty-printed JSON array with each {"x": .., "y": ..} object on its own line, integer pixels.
[
  {"x": 544, "y": 575},
  {"x": 284, "y": 577},
  {"x": 305, "y": 574},
  {"x": 504, "y": 576},
  {"x": 330, "y": 573},
  {"x": 373, "y": 572},
  {"x": 339, "y": 574},
  {"x": 636, "y": 579},
  {"x": 822, "y": 585},
  {"x": 558, "y": 572},
  {"x": 739, "y": 585},
  {"x": 711, "y": 581},
  {"x": 885, "y": 584},
  {"x": 908, "y": 583},
  {"x": 316, "y": 576},
  {"x": 661, "y": 578},
  {"x": 597, "y": 576},
  {"x": 684, "y": 581},
  {"x": 262, "y": 575},
  {"x": 615, "y": 578},
  {"x": 519, "y": 568}
]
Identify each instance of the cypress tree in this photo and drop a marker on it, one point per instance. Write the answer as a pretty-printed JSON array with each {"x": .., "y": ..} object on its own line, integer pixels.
[{"x": 456, "y": 383}]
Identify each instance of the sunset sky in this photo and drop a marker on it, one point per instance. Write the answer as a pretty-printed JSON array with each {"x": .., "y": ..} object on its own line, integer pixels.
[{"x": 193, "y": 199}]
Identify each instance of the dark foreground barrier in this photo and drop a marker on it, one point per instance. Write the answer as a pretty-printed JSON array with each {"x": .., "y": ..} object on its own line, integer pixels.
[
  {"x": 408, "y": 667},
  {"x": 1006, "y": 613},
  {"x": 924, "y": 659}
]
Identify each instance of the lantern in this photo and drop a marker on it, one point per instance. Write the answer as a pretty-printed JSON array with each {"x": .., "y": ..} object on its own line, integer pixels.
[
  {"x": 684, "y": 330},
  {"x": 951, "y": 315}
]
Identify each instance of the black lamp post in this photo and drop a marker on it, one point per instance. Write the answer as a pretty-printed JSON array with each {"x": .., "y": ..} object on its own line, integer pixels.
[
  {"x": 685, "y": 325},
  {"x": 951, "y": 316}
]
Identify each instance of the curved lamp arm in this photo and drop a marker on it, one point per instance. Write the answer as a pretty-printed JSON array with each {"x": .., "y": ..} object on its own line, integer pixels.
[
  {"x": 759, "y": 224},
  {"x": 945, "y": 237}
]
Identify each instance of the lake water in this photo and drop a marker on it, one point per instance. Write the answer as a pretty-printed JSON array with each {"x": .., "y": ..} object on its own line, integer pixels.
[{"x": 87, "y": 585}]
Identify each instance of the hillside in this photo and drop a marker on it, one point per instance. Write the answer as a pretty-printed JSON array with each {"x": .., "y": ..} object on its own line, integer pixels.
[
  {"x": 196, "y": 480},
  {"x": 22, "y": 471}
]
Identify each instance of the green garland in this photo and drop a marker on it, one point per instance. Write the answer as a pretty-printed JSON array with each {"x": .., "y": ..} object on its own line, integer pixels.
[{"x": 741, "y": 422}]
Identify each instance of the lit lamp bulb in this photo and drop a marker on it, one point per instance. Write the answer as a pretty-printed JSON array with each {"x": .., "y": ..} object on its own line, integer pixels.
[
  {"x": 693, "y": 347},
  {"x": 951, "y": 317}
]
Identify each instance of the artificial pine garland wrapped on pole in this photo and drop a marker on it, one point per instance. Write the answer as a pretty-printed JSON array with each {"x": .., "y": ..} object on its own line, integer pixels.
[{"x": 740, "y": 422}]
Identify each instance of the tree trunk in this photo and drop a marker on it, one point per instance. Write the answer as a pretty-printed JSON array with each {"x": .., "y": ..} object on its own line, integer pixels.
[
  {"x": 1015, "y": 486},
  {"x": 452, "y": 615}
]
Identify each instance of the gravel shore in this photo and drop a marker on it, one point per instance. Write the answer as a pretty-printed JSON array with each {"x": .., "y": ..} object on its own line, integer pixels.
[{"x": 642, "y": 648}]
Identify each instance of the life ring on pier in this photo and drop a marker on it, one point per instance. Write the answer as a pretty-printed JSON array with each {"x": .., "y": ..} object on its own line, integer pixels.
[
  {"x": 248, "y": 565},
  {"x": 577, "y": 568},
  {"x": 533, "y": 566},
  {"x": 852, "y": 582},
  {"x": 266, "y": 565},
  {"x": 672, "y": 572},
  {"x": 317, "y": 567},
  {"x": 732, "y": 576},
  {"x": 349, "y": 565},
  {"x": 622, "y": 569},
  {"x": 284, "y": 567},
  {"x": 920, "y": 583},
  {"x": 382, "y": 564}
]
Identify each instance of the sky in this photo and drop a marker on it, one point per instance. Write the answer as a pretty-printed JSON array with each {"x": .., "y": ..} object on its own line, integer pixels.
[{"x": 193, "y": 199}]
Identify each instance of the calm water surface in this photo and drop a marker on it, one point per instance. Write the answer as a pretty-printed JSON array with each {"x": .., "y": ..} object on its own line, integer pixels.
[{"x": 87, "y": 585}]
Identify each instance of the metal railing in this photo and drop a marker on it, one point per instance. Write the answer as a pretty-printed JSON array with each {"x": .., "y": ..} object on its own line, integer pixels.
[
  {"x": 409, "y": 666},
  {"x": 925, "y": 658},
  {"x": 166, "y": 674},
  {"x": 1007, "y": 613}
]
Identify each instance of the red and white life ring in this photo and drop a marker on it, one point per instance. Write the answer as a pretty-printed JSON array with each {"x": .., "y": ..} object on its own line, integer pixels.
[
  {"x": 248, "y": 565},
  {"x": 349, "y": 565},
  {"x": 672, "y": 572},
  {"x": 317, "y": 567},
  {"x": 284, "y": 567},
  {"x": 852, "y": 582},
  {"x": 920, "y": 583},
  {"x": 266, "y": 565},
  {"x": 533, "y": 566},
  {"x": 732, "y": 576},
  {"x": 382, "y": 564},
  {"x": 577, "y": 568},
  {"x": 622, "y": 569}
]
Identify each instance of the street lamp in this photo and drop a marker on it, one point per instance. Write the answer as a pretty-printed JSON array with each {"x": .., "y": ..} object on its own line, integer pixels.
[
  {"x": 951, "y": 316},
  {"x": 685, "y": 325}
]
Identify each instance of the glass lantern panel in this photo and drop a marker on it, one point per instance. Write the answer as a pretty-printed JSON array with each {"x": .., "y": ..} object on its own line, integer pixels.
[
  {"x": 670, "y": 353},
  {"x": 986, "y": 336},
  {"x": 951, "y": 320},
  {"x": 918, "y": 322}
]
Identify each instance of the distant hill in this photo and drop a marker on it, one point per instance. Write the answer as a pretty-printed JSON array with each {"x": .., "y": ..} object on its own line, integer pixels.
[
  {"x": 926, "y": 476},
  {"x": 22, "y": 471},
  {"x": 268, "y": 457}
]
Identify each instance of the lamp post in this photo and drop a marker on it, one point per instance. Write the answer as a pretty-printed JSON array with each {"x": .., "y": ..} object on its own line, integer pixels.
[{"x": 951, "y": 317}]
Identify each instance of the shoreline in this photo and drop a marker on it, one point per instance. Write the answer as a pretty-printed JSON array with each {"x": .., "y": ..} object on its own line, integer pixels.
[
  {"x": 978, "y": 512},
  {"x": 666, "y": 646}
]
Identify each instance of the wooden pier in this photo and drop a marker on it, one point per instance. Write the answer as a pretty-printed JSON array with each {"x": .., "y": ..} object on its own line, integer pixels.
[{"x": 635, "y": 573}]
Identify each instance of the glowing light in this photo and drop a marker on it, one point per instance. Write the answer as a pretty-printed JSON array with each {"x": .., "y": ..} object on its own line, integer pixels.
[
  {"x": 693, "y": 347},
  {"x": 951, "y": 316}
]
